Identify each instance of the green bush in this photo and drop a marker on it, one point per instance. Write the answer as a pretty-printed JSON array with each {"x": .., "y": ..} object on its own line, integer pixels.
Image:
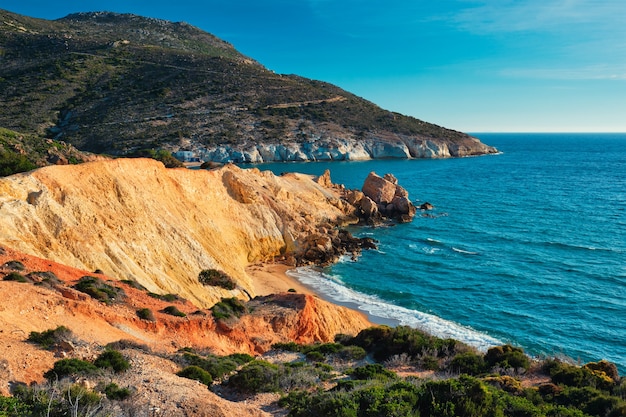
[
  {"x": 217, "y": 366},
  {"x": 372, "y": 371},
  {"x": 13, "y": 163},
  {"x": 68, "y": 367},
  {"x": 228, "y": 307},
  {"x": 98, "y": 289},
  {"x": 170, "y": 298},
  {"x": 196, "y": 373},
  {"x": 112, "y": 359},
  {"x": 145, "y": 314},
  {"x": 173, "y": 311},
  {"x": 257, "y": 376},
  {"x": 469, "y": 363},
  {"x": 216, "y": 278},
  {"x": 507, "y": 356},
  {"x": 15, "y": 276},
  {"x": 383, "y": 342},
  {"x": 14, "y": 265},
  {"x": 51, "y": 337},
  {"x": 114, "y": 392}
]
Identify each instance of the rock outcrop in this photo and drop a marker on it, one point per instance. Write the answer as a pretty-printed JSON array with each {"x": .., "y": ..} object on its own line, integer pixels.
[
  {"x": 346, "y": 148},
  {"x": 134, "y": 219},
  {"x": 382, "y": 198}
]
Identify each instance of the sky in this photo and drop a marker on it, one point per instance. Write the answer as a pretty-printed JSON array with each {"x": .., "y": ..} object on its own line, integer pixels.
[{"x": 468, "y": 65}]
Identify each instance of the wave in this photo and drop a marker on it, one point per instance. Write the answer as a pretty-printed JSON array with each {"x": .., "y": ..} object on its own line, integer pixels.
[
  {"x": 331, "y": 288},
  {"x": 465, "y": 252}
]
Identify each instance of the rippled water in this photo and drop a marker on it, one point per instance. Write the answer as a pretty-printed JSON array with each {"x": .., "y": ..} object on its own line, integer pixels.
[{"x": 526, "y": 247}]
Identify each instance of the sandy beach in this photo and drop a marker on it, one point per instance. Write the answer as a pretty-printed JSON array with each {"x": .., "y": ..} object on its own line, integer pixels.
[{"x": 272, "y": 278}]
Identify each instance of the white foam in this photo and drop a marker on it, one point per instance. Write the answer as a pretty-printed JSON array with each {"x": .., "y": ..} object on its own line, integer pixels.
[
  {"x": 464, "y": 251},
  {"x": 333, "y": 288}
]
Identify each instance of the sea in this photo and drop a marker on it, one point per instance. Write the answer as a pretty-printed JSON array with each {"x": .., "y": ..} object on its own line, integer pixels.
[{"x": 526, "y": 247}]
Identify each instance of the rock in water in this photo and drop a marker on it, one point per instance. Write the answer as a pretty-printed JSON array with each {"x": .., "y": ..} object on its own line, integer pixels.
[{"x": 384, "y": 198}]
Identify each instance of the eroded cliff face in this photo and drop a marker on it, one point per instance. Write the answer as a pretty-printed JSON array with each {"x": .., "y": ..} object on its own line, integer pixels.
[
  {"x": 347, "y": 147},
  {"x": 134, "y": 219}
]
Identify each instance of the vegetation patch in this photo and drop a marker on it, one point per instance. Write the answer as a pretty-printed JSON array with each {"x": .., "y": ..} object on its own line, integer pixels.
[
  {"x": 216, "y": 278},
  {"x": 16, "y": 277},
  {"x": 14, "y": 266},
  {"x": 50, "y": 338},
  {"x": 114, "y": 392},
  {"x": 173, "y": 311},
  {"x": 216, "y": 366},
  {"x": 112, "y": 359},
  {"x": 146, "y": 314},
  {"x": 98, "y": 289},
  {"x": 229, "y": 308},
  {"x": 170, "y": 298},
  {"x": 70, "y": 367}
]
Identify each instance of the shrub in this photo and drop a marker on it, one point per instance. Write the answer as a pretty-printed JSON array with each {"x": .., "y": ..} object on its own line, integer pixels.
[
  {"x": 13, "y": 163},
  {"x": 145, "y": 314},
  {"x": 51, "y": 337},
  {"x": 507, "y": 356},
  {"x": 112, "y": 359},
  {"x": 372, "y": 371},
  {"x": 217, "y": 366},
  {"x": 68, "y": 367},
  {"x": 98, "y": 289},
  {"x": 227, "y": 308},
  {"x": 14, "y": 265},
  {"x": 114, "y": 392},
  {"x": 257, "y": 376},
  {"x": 170, "y": 298},
  {"x": 383, "y": 342},
  {"x": 469, "y": 363},
  {"x": 15, "y": 276},
  {"x": 604, "y": 368},
  {"x": 173, "y": 311},
  {"x": 196, "y": 373},
  {"x": 216, "y": 278},
  {"x": 44, "y": 277}
]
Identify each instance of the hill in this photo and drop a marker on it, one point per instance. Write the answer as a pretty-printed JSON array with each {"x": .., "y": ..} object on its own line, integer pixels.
[{"x": 119, "y": 84}]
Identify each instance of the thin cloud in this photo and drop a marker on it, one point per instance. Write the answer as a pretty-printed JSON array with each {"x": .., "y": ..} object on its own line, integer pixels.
[{"x": 541, "y": 15}]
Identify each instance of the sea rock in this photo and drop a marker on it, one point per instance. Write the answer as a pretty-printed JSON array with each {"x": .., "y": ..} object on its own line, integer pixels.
[
  {"x": 384, "y": 198},
  {"x": 426, "y": 206},
  {"x": 379, "y": 189}
]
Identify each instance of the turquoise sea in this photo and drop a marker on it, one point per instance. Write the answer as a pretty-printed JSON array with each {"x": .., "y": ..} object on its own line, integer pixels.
[{"x": 525, "y": 247}]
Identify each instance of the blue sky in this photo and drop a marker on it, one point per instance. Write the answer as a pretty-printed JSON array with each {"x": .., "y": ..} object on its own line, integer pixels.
[{"x": 469, "y": 65}]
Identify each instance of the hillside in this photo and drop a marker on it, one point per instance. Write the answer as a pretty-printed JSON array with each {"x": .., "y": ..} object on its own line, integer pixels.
[{"x": 118, "y": 84}]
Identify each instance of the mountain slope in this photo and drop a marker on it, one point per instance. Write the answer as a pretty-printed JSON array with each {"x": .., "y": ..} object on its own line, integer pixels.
[{"x": 116, "y": 84}]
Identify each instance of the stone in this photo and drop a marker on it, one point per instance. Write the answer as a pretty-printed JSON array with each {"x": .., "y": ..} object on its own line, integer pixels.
[
  {"x": 368, "y": 207},
  {"x": 426, "y": 206},
  {"x": 379, "y": 189},
  {"x": 324, "y": 179}
]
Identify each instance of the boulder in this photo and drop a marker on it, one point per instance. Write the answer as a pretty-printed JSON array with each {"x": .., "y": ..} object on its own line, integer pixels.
[
  {"x": 368, "y": 207},
  {"x": 379, "y": 189}
]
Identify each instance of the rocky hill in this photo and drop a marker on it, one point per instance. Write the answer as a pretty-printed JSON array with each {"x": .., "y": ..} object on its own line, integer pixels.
[{"x": 118, "y": 84}]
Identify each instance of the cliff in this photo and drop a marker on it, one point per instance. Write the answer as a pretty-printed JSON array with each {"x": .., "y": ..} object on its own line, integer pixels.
[{"x": 134, "y": 219}]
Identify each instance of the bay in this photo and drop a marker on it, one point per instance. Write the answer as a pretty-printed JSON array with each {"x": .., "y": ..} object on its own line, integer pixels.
[{"x": 525, "y": 247}]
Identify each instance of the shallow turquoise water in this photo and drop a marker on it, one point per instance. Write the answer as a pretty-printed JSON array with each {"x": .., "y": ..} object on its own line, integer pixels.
[{"x": 526, "y": 247}]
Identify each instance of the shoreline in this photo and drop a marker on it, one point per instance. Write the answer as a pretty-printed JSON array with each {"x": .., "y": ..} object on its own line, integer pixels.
[{"x": 272, "y": 278}]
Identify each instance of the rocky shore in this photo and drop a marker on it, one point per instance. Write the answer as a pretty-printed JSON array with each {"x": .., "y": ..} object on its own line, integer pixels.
[{"x": 346, "y": 149}]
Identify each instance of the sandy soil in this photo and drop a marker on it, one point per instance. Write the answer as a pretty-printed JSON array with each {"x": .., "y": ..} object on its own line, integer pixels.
[{"x": 272, "y": 278}]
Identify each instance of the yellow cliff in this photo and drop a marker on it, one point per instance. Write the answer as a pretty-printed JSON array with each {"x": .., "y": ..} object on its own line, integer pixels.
[{"x": 135, "y": 219}]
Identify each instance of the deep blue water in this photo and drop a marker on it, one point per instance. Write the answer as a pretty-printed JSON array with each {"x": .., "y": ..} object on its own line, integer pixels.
[{"x": 526, "y": 247}]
